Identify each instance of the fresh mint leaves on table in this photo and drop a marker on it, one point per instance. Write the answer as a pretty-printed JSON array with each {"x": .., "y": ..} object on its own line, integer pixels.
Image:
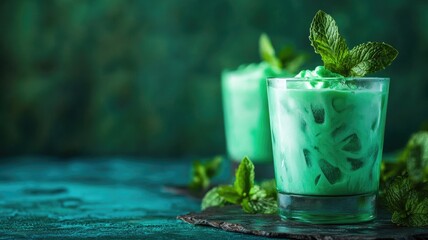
[
  {"x": 405, "y": 183},
  {"x": 407, "y": 202},
  {"x": 252, "y": 198},
  {"x": 361, "y": 60},
  {"x": 203, "y": 172},
  {"x": 415, "y": 155},
  {"x": 413, "y": 160},
  {"x": 287, "y": 58}
]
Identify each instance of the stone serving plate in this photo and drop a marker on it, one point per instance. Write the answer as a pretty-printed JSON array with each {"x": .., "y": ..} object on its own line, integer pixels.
[{"x": 233, "y": 219}]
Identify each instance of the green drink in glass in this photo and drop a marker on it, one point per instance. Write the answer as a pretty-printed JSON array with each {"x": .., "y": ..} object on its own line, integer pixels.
[
  {"x": 327, "y": 130},
  {"x": 327, "y": 144},
  {"x": 246, "y": 115}
]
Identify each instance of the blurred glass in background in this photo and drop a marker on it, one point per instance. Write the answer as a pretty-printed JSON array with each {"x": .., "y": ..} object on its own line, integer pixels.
[{"x": 143, "y": 78}]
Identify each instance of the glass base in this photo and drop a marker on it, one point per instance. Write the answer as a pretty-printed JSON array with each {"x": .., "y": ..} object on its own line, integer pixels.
[{"x": 327, "y": 209}]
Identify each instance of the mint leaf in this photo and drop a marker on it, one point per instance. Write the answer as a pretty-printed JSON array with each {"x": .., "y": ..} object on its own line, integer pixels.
[
  {"x": 213, "y": 199},
  {"x": 414, "y": 213},
  {"x": 256, "y": 193},
  {"x": 202, "y": 173},
  {"x": 244, "y": 177},
  {"x": 229, "y": 194},
  {"x": 265, "y": 206},
  {"x": 326, "y": 40},
  {"x": 213, "y": 166},
  {"x": 397, "y": 192},
  {"x": 418, "y": 216},
  {"x": 267, "y": 52},
  {"x": 407, "y": 203},
  {"x": 415, "y": 155},
  {"x": 369, "y": 58},
  {"x": 199, "y": 180},
  {"x": 259, "y": 202},
  {"x": 252, "y": 198},
  {"x": 269, "y": 186},
  {"x": 413, "y": 159},
  {"x": 291, "y": 60},
  {"x": 361, "y": 60}
]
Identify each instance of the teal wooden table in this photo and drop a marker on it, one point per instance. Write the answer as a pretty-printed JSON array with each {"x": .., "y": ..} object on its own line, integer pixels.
[
  {"x": 124, "y": 198},
  {"x": 106, "y": 198}
]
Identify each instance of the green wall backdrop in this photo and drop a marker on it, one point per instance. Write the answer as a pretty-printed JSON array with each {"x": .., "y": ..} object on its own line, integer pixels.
[{"x": 143, "y": 77}]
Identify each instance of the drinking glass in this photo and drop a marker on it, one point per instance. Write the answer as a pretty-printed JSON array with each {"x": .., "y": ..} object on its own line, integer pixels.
[
  {"x": 246, "y": 116},
  {"x": 327, "y": 138}
]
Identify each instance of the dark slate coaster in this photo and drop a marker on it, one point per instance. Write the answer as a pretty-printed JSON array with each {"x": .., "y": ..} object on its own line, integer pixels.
[{"x": 231, "y": 218}]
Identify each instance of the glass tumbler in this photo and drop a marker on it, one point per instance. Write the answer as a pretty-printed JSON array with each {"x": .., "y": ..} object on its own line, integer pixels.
[{"x": 327, "y": 139}]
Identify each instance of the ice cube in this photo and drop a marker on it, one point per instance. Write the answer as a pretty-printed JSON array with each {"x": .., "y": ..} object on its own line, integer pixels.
[
  {"x": 318, "y": 112},
  {"x": 332, "y": 173},
  {"x": 338, "y": 130},
  {"x": 352, "y": 143},
  {"x": 338, "y": 104},
  {"x": 355, "y": 163},
  {"x": 307, "y": 155},
  {"x": 317, "y": 179},
  {"x": 303, "y": 125}
]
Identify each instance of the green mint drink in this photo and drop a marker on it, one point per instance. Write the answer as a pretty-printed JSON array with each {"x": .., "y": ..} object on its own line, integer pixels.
[
  {"x": 246, "y": 112},
  {"x": 246, "y": 109},
  {"x": 327, "y": 130},
  {"x": 328, "y": 142}
]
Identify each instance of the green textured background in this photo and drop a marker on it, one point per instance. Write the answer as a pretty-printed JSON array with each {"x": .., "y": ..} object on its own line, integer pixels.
[{"x": 143, "y": 77}]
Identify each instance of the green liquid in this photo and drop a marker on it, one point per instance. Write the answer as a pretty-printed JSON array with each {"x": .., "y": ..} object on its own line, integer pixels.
[
  {"x": 246, "y": 112},
  {"x": 327, "y": 142}
]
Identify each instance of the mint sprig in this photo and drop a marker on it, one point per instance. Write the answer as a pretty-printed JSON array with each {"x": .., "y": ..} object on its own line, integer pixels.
[
  {"x": 287, "y": 58},
  {"x": 363, "y": 59},
  {"x": 415, "y": 155},
  {"x": 405, "y": 183},
  {"x": 326, "y": 40},
  {"x": 407, "y": 203},
  {"x": 251, "y": 197},
  {"x": 244, "y": 177},
  {"x": 413, "y": 159},
  {"x": 203, "y": 172},
  {"x": 267, "y": 52}
]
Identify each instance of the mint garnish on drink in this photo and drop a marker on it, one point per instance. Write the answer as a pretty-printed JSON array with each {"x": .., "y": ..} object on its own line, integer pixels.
[
  {"x": 287, "y": 59},
  {"x": 267, "y": 52},
  {"x": 361, "y": 60}
]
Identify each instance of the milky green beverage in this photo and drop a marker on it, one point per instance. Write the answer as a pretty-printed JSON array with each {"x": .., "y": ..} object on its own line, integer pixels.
[
  {"x": 327, "y": 139},
  {"x": 246, "y": 115}
]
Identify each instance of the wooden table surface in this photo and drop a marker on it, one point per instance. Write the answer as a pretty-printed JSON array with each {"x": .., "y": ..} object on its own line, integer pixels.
[
  {"x": 109, "y": 198},
  {"x": 105, "y": 198}
]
